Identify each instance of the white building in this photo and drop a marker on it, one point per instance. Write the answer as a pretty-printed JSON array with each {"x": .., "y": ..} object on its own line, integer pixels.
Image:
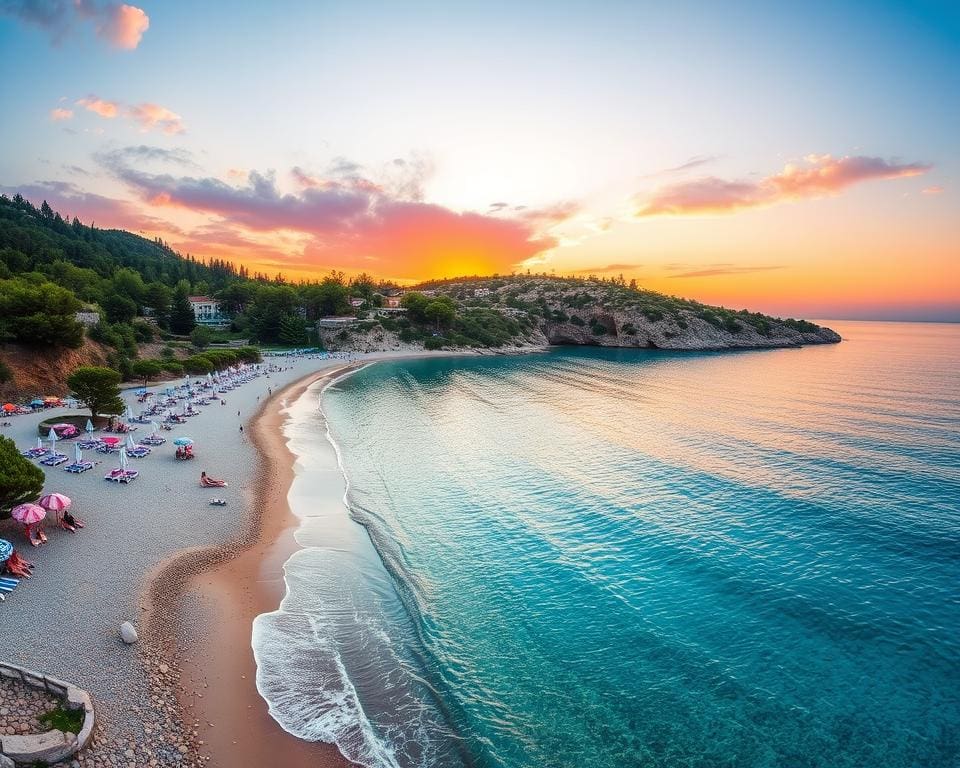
[{"x": 206, "y": 311}]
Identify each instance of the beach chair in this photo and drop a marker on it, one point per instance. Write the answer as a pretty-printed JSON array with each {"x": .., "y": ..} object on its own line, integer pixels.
[
  {"x": 138, "y": 452},
  {"x": 7, "y": 585},
  {"x": 35, "y": 453},
  {"x": 78, "y": 467},
  {"x": 153, "y": 440},
  {"x": 89, "y": 445},
  {"x": 55, "y": 460},
  {"x": 127, "y": 475}
]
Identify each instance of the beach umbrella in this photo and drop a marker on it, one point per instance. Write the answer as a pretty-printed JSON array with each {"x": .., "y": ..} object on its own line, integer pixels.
[
  {"x": 183, "y": 441},
  {"x": 110, "y": 440},
  {"x": 8, "y": 407},
  {"x": 141, "y": 391},
  {"x": 131, "y": 443},
  {"x": 154, "y": 427},
  {"x": 52, "y": 437},
  {"x": 123, "y": 459},
  {"x": 89, "y": 426},
  {"x": 6, "y": 549},
  {"x": 36, "y": 401},
  {"x": 39, "y": 443},
  {"x": 28, "y": 514},
  {"x": 128, "y": 414},
  {"x": 77, "y": 453},
  {"x": 55, "y": 502}
]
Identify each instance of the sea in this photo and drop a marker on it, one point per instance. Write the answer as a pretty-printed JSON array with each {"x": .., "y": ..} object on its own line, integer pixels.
[{"x": 601, "y": 558}]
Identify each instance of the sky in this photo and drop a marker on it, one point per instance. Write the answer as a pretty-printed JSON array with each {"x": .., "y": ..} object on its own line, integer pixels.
[{"x": 798, "y": 159}]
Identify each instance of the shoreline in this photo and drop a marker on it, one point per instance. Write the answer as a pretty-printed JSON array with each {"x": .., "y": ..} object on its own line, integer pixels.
[{"x": 234, "y": 583}]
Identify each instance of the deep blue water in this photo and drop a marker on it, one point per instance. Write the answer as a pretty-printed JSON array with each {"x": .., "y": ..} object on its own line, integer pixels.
[{"x": 595, "y": 558}]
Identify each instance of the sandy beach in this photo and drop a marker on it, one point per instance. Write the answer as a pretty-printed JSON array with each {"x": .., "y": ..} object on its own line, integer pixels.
[
  {"x": 221, "y": 591},
  {"x": 64, "y": 621}
]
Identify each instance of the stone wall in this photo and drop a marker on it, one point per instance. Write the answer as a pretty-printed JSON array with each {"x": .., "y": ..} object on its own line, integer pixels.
[{"x": 51, "y": 746}]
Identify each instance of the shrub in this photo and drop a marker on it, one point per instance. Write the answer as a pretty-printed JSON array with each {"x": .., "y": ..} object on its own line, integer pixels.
[
  {"x": 174, "y": 367},
  {"x": 629, "y": 328},
  {"x": 197, "y": 364},
  {"x": 434, "y": 342},
  {"x": 653, "y": 314},
  {"x": 577, "y": 320},
  {"x": 143, "y": 332}
]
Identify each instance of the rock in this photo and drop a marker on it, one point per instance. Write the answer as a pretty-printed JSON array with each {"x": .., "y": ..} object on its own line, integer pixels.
[
  {"x": 128, "y": 633},
  {"x": 6, "y": 762}
]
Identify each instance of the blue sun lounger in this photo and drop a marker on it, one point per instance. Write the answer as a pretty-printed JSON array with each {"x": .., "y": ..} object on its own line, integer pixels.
[{"x": 7, "y": 585}]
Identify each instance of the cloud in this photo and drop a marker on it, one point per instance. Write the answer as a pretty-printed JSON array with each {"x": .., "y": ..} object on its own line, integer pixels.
[
  {"x": 60, "y": 113},
  {"x": 145, "y": 153},
  {"x": 102, "y": 107},
  {"x": 715, "y": 270},
  {"x": 818, "y": 176},
  {"x": 121, "y": 25},
  {"x": 69, "y": 200},
  {"x": 936, "y": 189},
  {"x": 349, "y": 223},
  {"x": 148, "y": 116},
  {"x": 688, "y": 165},
  {"x": 609, "y": 268}
]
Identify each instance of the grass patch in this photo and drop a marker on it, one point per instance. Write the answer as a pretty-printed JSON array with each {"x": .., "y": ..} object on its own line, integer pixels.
[{"x": 66, "y": 720}]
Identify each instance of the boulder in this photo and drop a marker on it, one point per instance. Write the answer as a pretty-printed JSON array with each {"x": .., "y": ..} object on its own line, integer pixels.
[{"x": 128, "y": 633}]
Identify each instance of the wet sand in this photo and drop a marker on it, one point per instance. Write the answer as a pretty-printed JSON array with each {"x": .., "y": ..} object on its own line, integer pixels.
[{"x": 219, "y": 593}]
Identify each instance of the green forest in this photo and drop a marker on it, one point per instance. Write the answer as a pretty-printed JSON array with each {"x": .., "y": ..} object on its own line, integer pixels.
[{"x": 51, "y": 268}]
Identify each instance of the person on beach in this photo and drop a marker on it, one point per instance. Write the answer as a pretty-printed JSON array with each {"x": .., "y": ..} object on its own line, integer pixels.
[
  {"x": 241, "y": 429},
  {"x": 70, "y": 523}
]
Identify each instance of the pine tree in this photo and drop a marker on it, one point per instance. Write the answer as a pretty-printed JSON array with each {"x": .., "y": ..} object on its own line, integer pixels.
[{"x": 182, "y": 319}]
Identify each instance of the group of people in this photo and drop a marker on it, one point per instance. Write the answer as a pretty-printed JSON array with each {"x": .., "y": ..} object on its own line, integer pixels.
[{"x": 184, "y": 452}]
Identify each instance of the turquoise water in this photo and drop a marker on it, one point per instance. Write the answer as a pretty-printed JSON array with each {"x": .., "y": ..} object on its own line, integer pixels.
[{"x": 601, "y": 558}]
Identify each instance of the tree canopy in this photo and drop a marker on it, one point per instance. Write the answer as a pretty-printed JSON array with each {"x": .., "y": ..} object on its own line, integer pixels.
[
  {"x": 97, "y": 388},
  {"x": 20, "y": 480}
]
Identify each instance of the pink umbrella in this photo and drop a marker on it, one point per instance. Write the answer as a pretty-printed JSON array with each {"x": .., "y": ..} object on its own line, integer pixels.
[
  {"x": 110, "y": 440},
  {"x": 28, "y": 514},
  {"x": 55, "y": 502}
]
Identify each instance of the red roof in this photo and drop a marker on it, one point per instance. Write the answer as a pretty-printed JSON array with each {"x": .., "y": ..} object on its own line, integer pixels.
[{"x": 198, "y": 299}]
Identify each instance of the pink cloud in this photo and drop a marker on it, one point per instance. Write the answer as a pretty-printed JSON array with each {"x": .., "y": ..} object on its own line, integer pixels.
[
  {"x": 352, "y": 223},
  {"x": 819, "y": 176},
  {"x": 936, "y": 189},
  {"x": 102, "y": 107},
  {"x": 123, "y": 25},
  {"x": 149, "y": 116},
  {"x": 59, "y": 114},
  {"x": 69, "y": 200},
  {"x": 146, "y": 115}
]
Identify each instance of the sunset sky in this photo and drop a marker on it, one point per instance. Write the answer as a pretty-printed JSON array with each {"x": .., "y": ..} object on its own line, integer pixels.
[{"x": 801, "y": 159}]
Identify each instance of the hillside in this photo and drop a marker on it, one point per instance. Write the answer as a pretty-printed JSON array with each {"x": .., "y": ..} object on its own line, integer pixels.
[{"x": 536, "y": 311}]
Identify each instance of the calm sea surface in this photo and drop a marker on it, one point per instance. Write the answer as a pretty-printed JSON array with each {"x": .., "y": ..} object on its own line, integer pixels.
[{"x": 600, "y": 558}]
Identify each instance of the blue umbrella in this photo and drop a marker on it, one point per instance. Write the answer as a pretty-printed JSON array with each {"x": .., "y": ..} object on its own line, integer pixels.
[
  {"x": 141, "y": 391},
  {"x": 183, "y": 441},
  {"x": 37, "y": 401},
  {"x": 6, "y": 549}
]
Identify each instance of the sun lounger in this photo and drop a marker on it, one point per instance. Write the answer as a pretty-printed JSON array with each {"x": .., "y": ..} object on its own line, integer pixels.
[
  {"x": 121, "y": 476},
  {"x": 78, "y": 467},
  {"x": 35, "y": 453},
  {"x": 153, "y": 440},
  {"x": 139, "y": 452},
  {"x": 7, "y": 585},
  {"x": 55, "y": 460}
]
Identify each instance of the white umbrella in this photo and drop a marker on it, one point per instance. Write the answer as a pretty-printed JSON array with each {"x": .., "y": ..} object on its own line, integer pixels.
[
  {"x": 128, "y": 414},
  {"x": 123, "y": 459},
  {"x": 52, "y": 437},
  {"x": 155, "y": 427},
  {"x": 131, "y": 443},
  {"x": 40, "y": 442},
  {"x": 77, "y": 453},
  {"x": 89, "y": 426}
]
